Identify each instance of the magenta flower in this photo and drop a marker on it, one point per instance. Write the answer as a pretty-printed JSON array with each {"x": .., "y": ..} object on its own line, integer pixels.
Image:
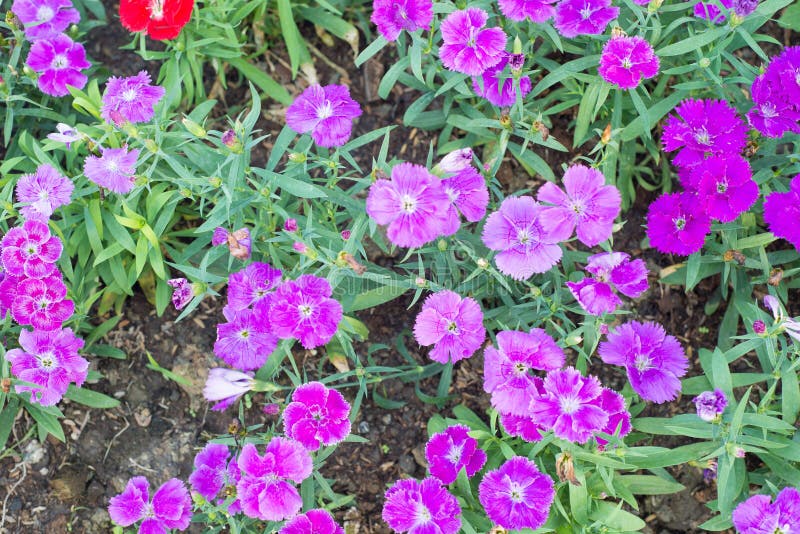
[
  {"x": 517, "y": 495},
  {"x": 413, "y": 204},
  {"x": 451, "y": 450},
  {"x": 264, "y": 490},
  {"x": 619, "y": 418},
  {"x": 290, "y": 225},
  {"x": 726, "y": 186},
  {"x": 468, "y": 194},
  {"x": 454, "y": 325},
  {"x": 30, "y": 250},
  {"x": 677, "y": 223},
  {"x": 42, "y": 303},
  {"x": 326, "y": 113},
  {"x": 776, "y": 95},
  {"x": 246, "y": 340},
  {"x": 523, "y": 426},
  {"x": 43, "y": 192},
  {"x": 526, "y": 247},
  {"x": 584, "y": 17},
  {"x": 499, "y": 88},
  {"x": 303, "y": 309},
  {"x": 535, "y": 10},
  {"x": 421, "y": 508},
  {"x": 391, "y": 17},
  {"x": 213, "y": 471},
  {"x": 710, "y": 404},
  {"x": 469, "y": 47},
  {"x": 44, "y": 19},
  {"x": 51, "y": 361},
  {"x": 744, "y": 7},
  {"x": 317, "y": 521},
  {"x": 170, "y": 508},
  {"x": 182, "y": 293},
  {"x": 709, "y": 11},
  {"x": 757, "y": 515},
  {"x": 226, "y": 386},
  {"x": 317, "y": 416},
  {"x": 8, "y": 292},
  {"x": 58, "y": 61},
  {"x": 655, "y": 361},
  {"x": 627, "y": 60},
  {"x": 114, "y": 169},
  {"x": 782, "y": 211},
  {"x": 609, "y": 270},
  {"x": 252, "y": 285},
  {"x": 506, "y": 370},
  {"x": 131, "y": 98},
  {"x": 588, "y": 204}
]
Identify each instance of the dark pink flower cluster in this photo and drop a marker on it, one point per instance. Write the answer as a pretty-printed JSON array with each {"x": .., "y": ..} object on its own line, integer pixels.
[{"x": 776, "y": 95}]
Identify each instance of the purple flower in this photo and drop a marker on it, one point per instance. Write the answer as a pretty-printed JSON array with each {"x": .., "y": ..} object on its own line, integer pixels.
[
  {"x": 570, "y": 405},
  {"x": 757, "y": 515},
  {"x": 654, "y": 360},
  {"x": 726, "y": 186},
  {"x": 413, "y": 204},
  {"x": 710, "y": 404},
  {"x": 252, "y": 286},
  {"x": 517, "y": 495},
  {"x": 626, "y": 60},
  {"x": 499, "y": 88},
  {"x": 326, "y": 112},
  {"x": 246, "y": 340},
  {"x": 219, "y": 236},
  {"x": 421, "y": 508},
  {"x": 302, "y": 309},
  {"x": 449, "y": 451},
  {"x": 535, "y": 10},
  {"x": 523, "y": 426},
  {"x": 782, "y": 211},
  {"x": 8, "y": 292},
  {"x": 455, "y": 161},
  {"x": 317, "y": 521},
  {"x": 776, "y": 95},
  {"x": 393, "y": 16},
  {"x": 506, "y": 370},
  {"x": 114, "y": 169},
  {"x": 759, "y": 327},
  {"x": 468, "y": 194},
  {"x": 454, "y": 325},
  {"x": 44, "y": 19},
  {"x": 584, "y": 17},
  {"x": 41, "y": 303},
  {"x": 132, "y": 98},
  {"x": 30, "y": 250},
  {"x": 65, "y": 134},
  {"x": 317, "y": 416},
  {"x": 171, "y": 506},
  {"x": 264, "y": 490},
  {"x": 51, "y": 361},
  {"x": 709, "y": 11},
  {"x": 677, "y": 223},
  {"x": 469, "y": 47},
  {"x": 43, "y": 191},
  {"x": 595, "y": 295},
  {"x": 212, "y": 472},
  {"x": 588, "y": 204},
  {"x": 226, "y": 386},
  {"x": 744, "y": 7},
  {"x": 59, "y": 62},
  {"x": 526, "y": 247},
  {"x": 619, "y": 418},
  {"x": 182, "y": 293}
]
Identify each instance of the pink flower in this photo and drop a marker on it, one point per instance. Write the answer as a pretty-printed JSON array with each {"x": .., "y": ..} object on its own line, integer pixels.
[
  {"x": 421, "y": 508},
  {"x": 30, "y": 251},
  {"x": 303, "y": 309},
  {"x": 454, "y": 325},
  {"x": 43, "y": 191},
  {"x": 469, "y": 47},
  {"x": 517, "y": 495},
  {"x": 59, "y": 62},
  {"x": 468, "y": 194},
  {"x": 44, "y": 19},
  {"x": 212, "y": 472},
  {"x": 523, "y": 426},
  {"x": 709, "y": 11},
  {"x": 171, "y": 506},
  {"x": 42, "y": 303},
  {"x": 584, "y": 17},
  {"x": 182, "y": 292},
  {"x": 677, "y": 223},
  {"x": 627, "y": 60},
  {"x": 317, "y": 416},
  {"x": 535, "y": 10},
  {"x": 619, "y": 418},
  {"x": 782, "y": 211},
  {"x": 252, "y": 286},
  {"x": 595, "y": 294},
  {"x": 726, "y": 186},
  {"x": 246, "y": 340},
  {"x": 326, "y": 113},
  {"x": 114, "y": 170},
  {"x": 131, "y": 99},
  {"x": 316, "y": 521},
  {"x": 451, "y": 450},
  {"x": 393, "y": 16}
]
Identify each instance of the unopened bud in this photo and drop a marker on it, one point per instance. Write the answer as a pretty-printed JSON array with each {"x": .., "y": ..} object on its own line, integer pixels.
[
  {"x": 603, "y": 329},
  {"x": 194, "y": 128},
  {"x": 151, "y": 146},
  {"x": 704, "y": 62},
  {"x": 483, "y": 263},
  {"x": 297, "y": 157},
  {"x": 420, "y": 282},
  {"x": 442, "y": 245},
  {"x": 231, "y": 140},
  {"x": 346, "y": 234},
  {"x": 517, "y": 48},
  {"x": 299, "y": 247},
  {"x": 759, "y": 327},
  {"x": 271, "y": 409},
  {"x": 290, "y": 225},
  {"x": 215, "y": 181}
]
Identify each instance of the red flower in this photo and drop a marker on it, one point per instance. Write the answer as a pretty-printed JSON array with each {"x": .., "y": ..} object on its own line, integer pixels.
[{"x": 161, "y": 19}]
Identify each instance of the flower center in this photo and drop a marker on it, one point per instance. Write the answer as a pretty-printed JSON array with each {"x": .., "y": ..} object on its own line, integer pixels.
[
  {"x": 569, "y": 404},
  {"x": 578, "y": 207},
  {"x": 325, "y": 110},
  {"x": 702, "y": 136},
  {"x": 451, "y": 194},
  {"x": 454, "y": 454},
  {"x": 586, "y": 12},
  {"x": 59, "y": 62},
  {"x": 47, "y": 361},
  {"x": 722, "y": 187},
  {"x": 112, "y": 165},
  {"x": 520, "y": 368},
  {"x": 768, "y": 110},
  {"x": 31, "y": 249},
  {"x": 452, "y": 328},
  {"x": 148, "y": 511},
  {"x": 626, "y": 63},
  {"x": 244, "y": 334},
  {"x": 305, "y": 310},
  {"x": 515, "y": 492},
  {"x": 157, "y": 9},
  {"x": 422, "y": 513},
  {"x": 44, "y": 14},
  {"x": 642, "y": 362},
  {"x": 523, "y": 237},
  {"x": 408, "y": 204},
  {"x": 680, "y": 223},
  {"x": 129, "y": 95}
]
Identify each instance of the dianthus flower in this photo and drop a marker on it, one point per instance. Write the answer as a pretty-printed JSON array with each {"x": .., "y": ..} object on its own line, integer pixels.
[
  {"x": 584, "y": 17},
  {"x": 238, "y": 241},
  {"x": 506, "y": 369},
  {"x": 710, "y": 404},
  {"x": 113, "y": 170},
  {"x": 303, "y": 309},
  {"x": 317, "y": 416},
  {"x": 59, "y": 62},
  {"x": 453, "y": 325},
  {"x": 500, "y": 89},
  {"x": 326, "y": 113},
  {"x": 619, "y": 418},
  {"x": 316, "y": 521},
  {"x": 51, "y": 361},
  {"x": 182, "y": 292},
  {"x": 517, "y": 495},
  {"x": 170, "y": 507},
  {"x": 523, "y": 426},
  {"x": 252, "y": 285},
  {"x": 44, "y": 19},
  {"x": 214, "y": 470},
  {"x": 455, "y": 161},
  {"x": 226, "y": 386},
  {"x": 8, "y": 292},
  {"x": 393, "y": 16},
  {"x": 30, "y": 250},
  {"x": 570, "y": 405},
  {"x": 744, "y": 7},
  {"x": 469, "y": 46},
  {"x": 468, "y": 194},
  {"x": 64, "y": 134},
  {"x": 757, "y": 515},
  {"x": 596, "y": 295},
  {"x": 709, "y": 11},
  {"x": 132, "y": 98},
  {"x": 588, "y": 204},
  {"x": 725, "y": 186},
  {"x": 776, "y": 95},
  {"x": 421, "y": 507},
  {"x": 265, "y": 491},
  {"x": 246, "y": 340},
  {"x": 535, "y": 10},
  {"x": 449, "y": 451},
  {"x": 789, "y": 325},
  {"x": 677, "y": 223},
  {"x": 413, "y": 204},
  {"x": 655, "y": 361},
  {"x": 625, "y": 61},
  {"x": 161, "y": 19},
  {"x": 43, "y": 192},
  {"x": 42, "y": 303},
  {"x": 782, "y": 211}
]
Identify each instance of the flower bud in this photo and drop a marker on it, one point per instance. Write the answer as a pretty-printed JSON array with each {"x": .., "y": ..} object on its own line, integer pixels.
[
  {"x": 194, "y": 128},
  {"x": 290, "y": 225},
  {"x": 442, "y": 245},
  {"x": 704, "y": 62},
  {"x": 215, "y": 181},
  {"x": 271, "y": 409},
  {"x": 346, "y": 234},
  {"x": 231, "y": 140},
  {"x": 455, "y": 161},
  {"x": 420, "y": 282},
  {"x": 603, "y": 329},
  {"x": 516, "y": 62},
  {"x": 299, "y": 247},
  {"x": 483, "y": 263},
  {"x": 759, "y": 327},
  {"x": 297, "y": 157}
]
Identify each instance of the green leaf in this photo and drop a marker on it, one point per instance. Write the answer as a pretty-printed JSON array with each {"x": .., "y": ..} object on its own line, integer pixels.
[
  {"x": 692, "y": 43},
  {"x": 7, "y": 416},
  {"x": 650, "y": 485},
  {"x": 613, "y": 516},
  {"x": 270, "y": 87},
  {"x": 92, "y": 399},
  {"x": 376, "y": 296},
  {"x": 46, "y": 421}
]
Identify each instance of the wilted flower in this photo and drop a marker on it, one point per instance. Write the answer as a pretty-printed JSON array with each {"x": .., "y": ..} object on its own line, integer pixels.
[
  {"x": 317, "y": 416},
  {"x": 455, "y": 161},
  {"x": 454, "y": 325},
  {"x": 161, "y": 19},
  {"x": 421, "y": 507},
  {"x": 44, "y": 19},
  {"x": 500, "y": 89},
  {"x": 627, "y": 60},
  {"x": 114, "y": 170},
  {"x": 170, "y": 507},
  {"x": 584, "y": 17},
  {"x": 517, "y": 495},
  {"x": 710, "y": 404},
  {"x": 744, "y": 7},
  {"x": 757, "y": 515},
  {"x": 132, "y": 98},
  {"x": 316, "y": 521},
  {"x": 326, "y": 113},
  {"x": 182, "y": 293},
  {"x": 30, "y": 250},
  {"x": 791, "y": 326},
  {"x": 782, "y": 211},
  {"x": 303, "y": 309},
  {"x": 677, "y": 223},
  {"x": 246, "y": 340},
  {"x": 65, "y": 134},
  {"x": 469, "y": 46},
  {"x": 449, "y": 451},
  {"x": 595, "y": 295},
  {"x": 226, "y": 386},
  {"x": 535, "y": 10},
  {"x": 59, "y": 62},
  {"x": 393, "y": 16}
]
